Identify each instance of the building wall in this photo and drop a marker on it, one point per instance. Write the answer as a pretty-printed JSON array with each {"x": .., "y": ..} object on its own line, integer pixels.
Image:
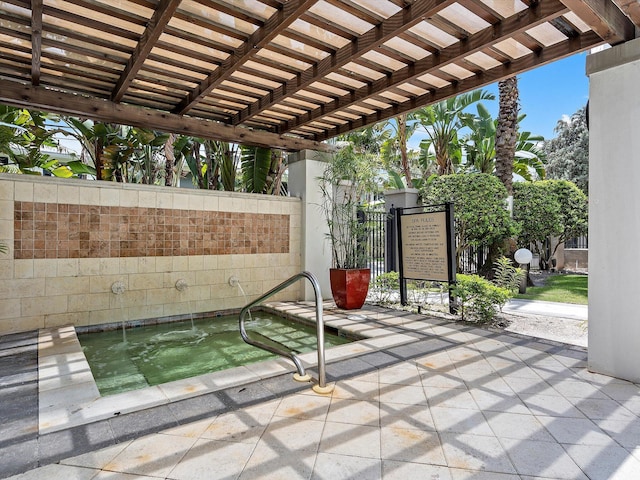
[
  {"x": 614, "y": 219},
  {"x": 71, "y": 240},
  {"x": 576, "y": 259}
]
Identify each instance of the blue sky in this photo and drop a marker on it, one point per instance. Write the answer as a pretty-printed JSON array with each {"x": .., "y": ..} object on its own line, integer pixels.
[{"x": 547, "y": 94}]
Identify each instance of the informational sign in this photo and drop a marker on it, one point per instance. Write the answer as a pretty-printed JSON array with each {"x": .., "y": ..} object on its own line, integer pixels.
[{"x": 424, "y": 246}]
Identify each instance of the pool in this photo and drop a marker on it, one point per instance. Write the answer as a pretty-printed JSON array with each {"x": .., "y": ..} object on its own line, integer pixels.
[{"x": 155, "y": 354}]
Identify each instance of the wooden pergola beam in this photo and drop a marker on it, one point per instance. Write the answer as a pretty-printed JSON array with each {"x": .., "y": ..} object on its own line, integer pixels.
[
  {"x": 536, "y": 59},
  {"x": 511, "y": 26},
  {"x": 275, "y": 25},
  {"x": 604, "y": 18},
  {"x": 40, "y": 98},
  {"x": 160, "y": 18},
  {"x": 381, "y": 33},
  {"x": 36, "y": 40},
  {"x": 631, "y": 8}
]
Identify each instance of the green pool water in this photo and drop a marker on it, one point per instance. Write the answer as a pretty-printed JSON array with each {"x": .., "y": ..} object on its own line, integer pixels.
[{"x": 161, "y": 353}]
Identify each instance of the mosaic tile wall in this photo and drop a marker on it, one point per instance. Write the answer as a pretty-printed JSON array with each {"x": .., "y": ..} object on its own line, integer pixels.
[{"x": 51, "y": 230}]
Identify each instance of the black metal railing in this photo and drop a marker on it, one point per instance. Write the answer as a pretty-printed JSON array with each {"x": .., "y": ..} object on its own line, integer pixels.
[
  {"x": 374, "y": 240},
  {"x": 472, "y": 259},
  {"x": 578, "y": 242}
]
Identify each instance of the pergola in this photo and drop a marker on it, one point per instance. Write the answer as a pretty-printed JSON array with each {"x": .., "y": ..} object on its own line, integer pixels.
[{"x": 281, "y": 73}]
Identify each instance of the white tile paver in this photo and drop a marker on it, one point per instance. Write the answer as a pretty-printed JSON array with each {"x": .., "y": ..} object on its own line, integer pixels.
[
  {"x": 474, "y": 452},
  {"x": 410, "y": 445},
  {"x": 267, "y": 463},
  {"x": 406, "y": 416},
  {"x": 393, "y": 470},
  {"x": 546, "y": 459},
  {"x": 356, "y": 412},
  {"x": 575, "y": 431},
  {"x": 460, "y": 420},
  {"x": 346, "y": 467},
  {"x": 154, "y": 455},
  {"x": 605, "y": 462},
  {"x": 514, "y": 425},
  {"x": 355, "y": 440},
  {"x": 211, "y": 457},
  {"x": 57, "y": 472}
]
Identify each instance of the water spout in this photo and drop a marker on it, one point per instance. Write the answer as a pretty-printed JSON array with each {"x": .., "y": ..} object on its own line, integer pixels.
[
  {"x": 182, "y": 285},
  {"x": 235, "y": 282},
  {"x": 118, "y": 288}
]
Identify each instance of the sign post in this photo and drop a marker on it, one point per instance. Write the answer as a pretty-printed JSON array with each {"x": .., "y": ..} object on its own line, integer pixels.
[{"x": 426, "y": 244}]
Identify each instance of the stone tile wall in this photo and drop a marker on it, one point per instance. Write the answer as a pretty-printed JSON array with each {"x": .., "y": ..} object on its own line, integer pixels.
[{"x": 70, "y": 240}]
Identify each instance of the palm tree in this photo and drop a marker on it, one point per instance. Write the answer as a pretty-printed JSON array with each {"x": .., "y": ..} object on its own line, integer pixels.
[
  {"x": 507, "y": 131},
  {"x": 441, "y": 122},
  {"x": 480, "y": 147},
  {"x": 394, "y": 146}
]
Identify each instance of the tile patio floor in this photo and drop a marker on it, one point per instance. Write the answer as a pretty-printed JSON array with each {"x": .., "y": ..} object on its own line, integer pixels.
[{"x": 423, "y": 398}]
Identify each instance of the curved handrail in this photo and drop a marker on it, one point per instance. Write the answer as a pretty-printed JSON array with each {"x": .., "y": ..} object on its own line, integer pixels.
[{"x": 319, "y": 326}]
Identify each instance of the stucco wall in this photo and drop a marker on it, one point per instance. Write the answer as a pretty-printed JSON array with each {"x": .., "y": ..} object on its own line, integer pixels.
[
  {"x": 614, "y": 221},
  {"x": 576, "y": 259},
  {"x": 70, "y": 240}
]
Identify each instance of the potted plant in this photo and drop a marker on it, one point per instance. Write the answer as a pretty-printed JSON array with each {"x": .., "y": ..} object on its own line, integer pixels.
[{"x": 343, "y": 185}]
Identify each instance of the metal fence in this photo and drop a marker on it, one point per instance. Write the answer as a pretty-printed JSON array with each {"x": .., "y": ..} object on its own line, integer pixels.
[
  {"x": 375, "y": 240},
  {"x": 578, "y": 242},
  {"x": 472, "y": 259}
]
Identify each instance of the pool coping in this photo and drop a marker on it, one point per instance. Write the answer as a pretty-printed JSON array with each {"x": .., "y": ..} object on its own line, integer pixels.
[{"x": 68, "y": 396}]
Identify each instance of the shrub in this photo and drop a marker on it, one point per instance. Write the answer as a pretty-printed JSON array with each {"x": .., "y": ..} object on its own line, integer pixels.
[
  {"x": 386, "y": 284},
  {"x": 507, "y": 276},
  {"x": 479, "y": 298},
  {"x": 479, "y": 208}
]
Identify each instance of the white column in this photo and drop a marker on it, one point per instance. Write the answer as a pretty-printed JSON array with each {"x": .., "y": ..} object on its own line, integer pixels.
[
  {"x": 405, "y": 198},
  {"x": 304, "y": 169},
  {"x": 614, "y": 211}
]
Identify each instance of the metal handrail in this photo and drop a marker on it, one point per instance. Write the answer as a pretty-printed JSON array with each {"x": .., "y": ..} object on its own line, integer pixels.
[{"x": 319, "y": 326}]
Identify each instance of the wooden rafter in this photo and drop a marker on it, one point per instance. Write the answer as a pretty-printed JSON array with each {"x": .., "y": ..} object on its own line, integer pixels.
[
  {"x": 401, "y": 21},
  {"x": 36, "y": 40},
  {"x": 506, "y": 29},
  {"x": 604, "y": 18},
  {"x": 535, "y": 59},
  {"x": 631, "y": 8},
  {"x": 13, "y": 93},
  {"x": 278, "y": 22},
  {"x": 161, "y": 16}
]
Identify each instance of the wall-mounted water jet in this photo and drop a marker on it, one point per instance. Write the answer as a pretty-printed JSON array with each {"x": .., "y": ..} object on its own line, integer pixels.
[{"x": 118, "y": 288}]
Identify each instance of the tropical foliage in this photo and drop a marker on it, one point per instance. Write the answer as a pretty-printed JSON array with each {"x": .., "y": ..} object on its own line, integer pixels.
[
  {"x": 23, "y": 134},
  {"x": 394, "y": 149},
  {"x": 551, "y": 208},
  {"x": 134, "y": 155},
  {"x": 574, "y": 210},
  {"x": 344, "y": 184},
  {"x": 568, "y": 153},
  {"x": 537, "y": 211},
  {"x": 442, "y": 122},
  {"x": 479, "y": 201},
  {"x": 480, "y": 148}
]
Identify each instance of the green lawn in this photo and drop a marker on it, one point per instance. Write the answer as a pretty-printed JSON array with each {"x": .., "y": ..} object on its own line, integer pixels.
[{"x": 560, "y": 288}]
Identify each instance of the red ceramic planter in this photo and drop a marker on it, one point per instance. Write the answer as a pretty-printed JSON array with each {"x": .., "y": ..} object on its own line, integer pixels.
[{"x": 349, "y": 286}]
